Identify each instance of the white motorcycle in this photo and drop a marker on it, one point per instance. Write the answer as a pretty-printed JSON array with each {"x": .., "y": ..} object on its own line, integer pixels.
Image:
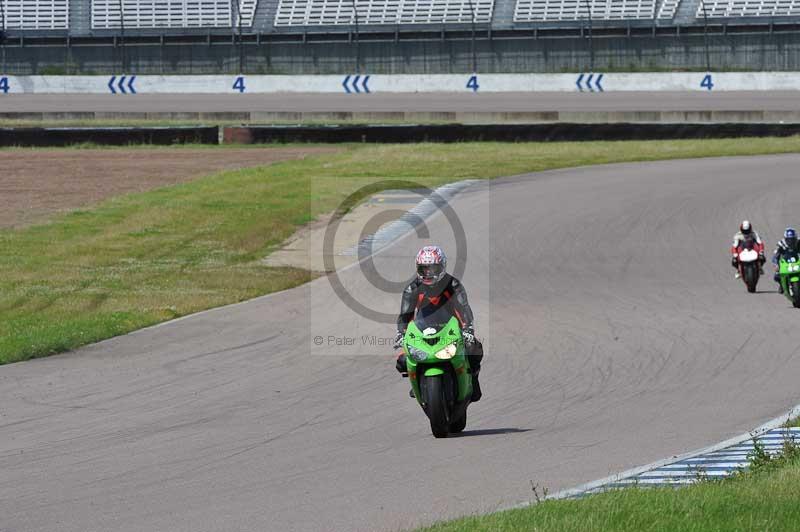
[{"x": 749, "y": 265}]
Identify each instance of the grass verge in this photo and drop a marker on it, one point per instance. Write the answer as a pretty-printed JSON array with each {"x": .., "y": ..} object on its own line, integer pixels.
[
  {"x": 764, "y": 497},
  {"x": 140, "y": 259}
]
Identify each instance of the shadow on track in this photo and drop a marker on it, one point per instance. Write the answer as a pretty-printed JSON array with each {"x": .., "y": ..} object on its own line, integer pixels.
[{"x": 488, "y": 432}]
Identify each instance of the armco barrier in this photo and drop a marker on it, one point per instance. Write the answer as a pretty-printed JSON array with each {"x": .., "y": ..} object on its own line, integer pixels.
[
  {"x": 500, "y": 132},
  {"x": 121, "y": 136},
  {"x": 108, "y": 136}
]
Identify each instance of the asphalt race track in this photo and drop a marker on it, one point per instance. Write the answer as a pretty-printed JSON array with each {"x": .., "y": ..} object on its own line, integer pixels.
[
  {"x": 615, "y": 333},
  {"x": 444, "y": 102}
]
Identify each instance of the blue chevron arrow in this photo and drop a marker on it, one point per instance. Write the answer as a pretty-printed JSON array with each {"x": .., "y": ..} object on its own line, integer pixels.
[
  {"x": 589, "y": 82},
  {"x": 364, "y": 84},
  {"x": 355, "y": 83},
  {"x": 597, "y": 83},
  {"x": 130, "y": 85},
  {"x": 111, "y": 84},
  {"x": 578, "y": 83},
  {"x": 344, "y": 84},
  {"x": 121, "y": 85}
]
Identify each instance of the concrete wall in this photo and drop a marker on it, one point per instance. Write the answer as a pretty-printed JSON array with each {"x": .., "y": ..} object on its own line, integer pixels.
[
  {"x": 758, "y": 51},
  {"x": 403, "y": 83}
]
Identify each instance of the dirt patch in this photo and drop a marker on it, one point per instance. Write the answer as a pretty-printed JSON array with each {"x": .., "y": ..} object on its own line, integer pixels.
[
  {"x": 305, "y": 249},
  {"x": 36, "y": 184}
]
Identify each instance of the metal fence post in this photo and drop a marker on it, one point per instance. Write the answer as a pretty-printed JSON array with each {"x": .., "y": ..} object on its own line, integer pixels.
[
  {"x": 591, "y": 40},
  {"x": 705, "y": 35},
  {"x": 123, "y": 61},
  {"x": 358, "y": 40},
  {"x": 474, "y": 53}
]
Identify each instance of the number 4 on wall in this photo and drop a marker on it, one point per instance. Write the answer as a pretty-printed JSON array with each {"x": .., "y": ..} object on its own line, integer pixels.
[
  {"x": 707, "y": 83},
  {"x": 473, "y": 83},
  {"x": 4, "y": 86},
  {"x": 238, "y": 85}
]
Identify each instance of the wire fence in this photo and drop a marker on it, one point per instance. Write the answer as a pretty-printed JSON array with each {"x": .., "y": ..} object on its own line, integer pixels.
[{"x": 586, "y": 48}]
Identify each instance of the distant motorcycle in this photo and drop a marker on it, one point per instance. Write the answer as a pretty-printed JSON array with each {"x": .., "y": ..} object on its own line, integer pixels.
[
  {"x": 789, "y": 275},
  {"x": 749, "y": 264}
]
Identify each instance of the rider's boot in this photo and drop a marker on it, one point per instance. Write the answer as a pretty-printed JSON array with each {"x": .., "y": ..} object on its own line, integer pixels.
[
  {"x": 476, "y": 387},
  {"x": 776, "y": 278}
]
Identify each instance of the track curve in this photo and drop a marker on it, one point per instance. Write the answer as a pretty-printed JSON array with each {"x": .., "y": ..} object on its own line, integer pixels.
[{"x": 616, "y": 336}]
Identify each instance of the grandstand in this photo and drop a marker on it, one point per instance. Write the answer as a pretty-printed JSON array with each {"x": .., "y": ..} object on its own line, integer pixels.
[
  {"x": 341, "y": 12},
  {"x": 94, "y": 17},
  {"x": 394, "y": 36},
  {"x": 35, "y": 14},
  {"x": 749, "y": 8}
]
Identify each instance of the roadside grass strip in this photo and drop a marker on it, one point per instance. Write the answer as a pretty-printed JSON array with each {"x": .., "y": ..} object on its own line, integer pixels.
[
  {"x": 141, "y": 259},
  {"x": 713, "y": 465},
  {"x": 747, "y": 486}
]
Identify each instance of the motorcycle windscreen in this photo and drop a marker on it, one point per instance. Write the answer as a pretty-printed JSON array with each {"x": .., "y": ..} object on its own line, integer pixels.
[{"x": 431, "y": 319}]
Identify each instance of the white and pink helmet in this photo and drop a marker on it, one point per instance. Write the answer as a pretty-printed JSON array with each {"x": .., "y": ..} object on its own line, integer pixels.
[{"x": 431, "y": 264}]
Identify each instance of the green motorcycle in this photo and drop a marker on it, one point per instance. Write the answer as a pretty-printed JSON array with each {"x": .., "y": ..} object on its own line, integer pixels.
[
  {"x": 439, "y": 371},
  {"x": 789, "y": 275}
]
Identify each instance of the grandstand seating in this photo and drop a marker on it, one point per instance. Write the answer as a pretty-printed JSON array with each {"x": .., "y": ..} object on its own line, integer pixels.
[
  {"x": 555, "y": 10},
  {"x": 340, "y": 12},
  {"x": 668, "y": 9},
  {"x": 82, "y": 16},
  {"x": 35, "y": 14},
  {"x": 247, "y": 8},
  {"x": 749, "y": 8},
  {"x": 171, "y": 13}
]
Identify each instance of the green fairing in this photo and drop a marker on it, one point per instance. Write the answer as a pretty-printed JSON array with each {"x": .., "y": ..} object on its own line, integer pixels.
[
  {"x": 429, "y": 368},
  {"x": 450, "y": 333},
  {"x": 789, "y": 274}
]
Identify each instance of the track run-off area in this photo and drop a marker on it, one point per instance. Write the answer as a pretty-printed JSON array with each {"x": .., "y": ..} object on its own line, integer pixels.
[{"x": 615, "y": 336}]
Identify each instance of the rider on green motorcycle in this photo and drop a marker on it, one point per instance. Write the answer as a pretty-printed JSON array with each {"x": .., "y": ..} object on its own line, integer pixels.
[
  {"x": 789, "y": 246},
  {"x": 434, "y": 287}
]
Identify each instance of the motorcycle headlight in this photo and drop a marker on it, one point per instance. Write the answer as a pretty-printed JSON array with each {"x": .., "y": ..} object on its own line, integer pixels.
[
  {"x": 417, "y": 354},
  {"x": 447, "y": 353}
]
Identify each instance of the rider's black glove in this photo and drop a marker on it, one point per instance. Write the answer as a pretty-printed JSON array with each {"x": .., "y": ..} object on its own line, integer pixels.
[
  {"x": 400, "y": 365},
  {"x": 398, "y": 341},
  {"x": 469, "y": 337},
  {"x": 734, "y": 261}
]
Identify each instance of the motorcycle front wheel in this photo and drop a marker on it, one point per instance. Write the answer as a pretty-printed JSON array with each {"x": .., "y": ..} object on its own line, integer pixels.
[
  {"x": 436, "y": 406},
  {"x": 751, "y": 277},
  {"x": 459, "y": 424}
]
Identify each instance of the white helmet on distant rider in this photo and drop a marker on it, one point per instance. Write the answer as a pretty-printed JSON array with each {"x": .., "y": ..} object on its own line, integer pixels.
[
  {"x": 746, "y": 228},
  {"x": 431, "y": 265}
]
